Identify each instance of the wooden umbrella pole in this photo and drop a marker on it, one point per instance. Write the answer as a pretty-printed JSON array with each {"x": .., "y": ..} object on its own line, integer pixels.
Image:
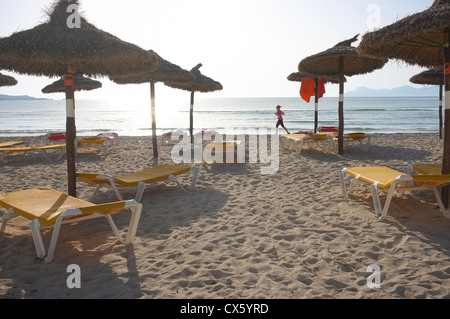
[
  {"x": 341, "y": 107},
  {"x": 154, "y": 137},
  {"x": 316, "y": 104},
  {"x": 440, "y": 109},
  {"x": 191, "y": 118},
  {"x": 70, "y": 135},
  {"x": 446, "y": 153}
]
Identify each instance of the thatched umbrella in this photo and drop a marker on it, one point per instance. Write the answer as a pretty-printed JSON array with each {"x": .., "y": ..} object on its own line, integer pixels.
[
  {"x": 165, "y": 71},
  {"x": 64, "y": 45},
  {"x": 6, "y": 80},
  {"x": 419, "y": 39},
  {"x": 80, "y": 83},
  {"x": 299, "y": 77},
  {"x": 201, "y": 83},
  {"x": 432, "y": 77},
  {"x": 342, "y": 59}
]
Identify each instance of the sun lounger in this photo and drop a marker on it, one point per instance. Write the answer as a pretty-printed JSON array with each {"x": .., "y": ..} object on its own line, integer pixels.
[
  {"x": 56, "y": 137},
  {"x": 92, "y": 142},
  {"x": 48, "y": 207},
  {"x": 111, "y": 136},
  {"x": 11, "y": 144},
  {"x": 424, "y": 168},
  {"x": 139, "y": 179},
  {"x": 166, "y": 138},
  {"x": 221, "y": 149},
  {"x": 383, "y": 178},
  {"x": 322, "y": 141},
  {"x": 363, "y": 139},
  {"x": 332, "y": 130},
  {"x": 44, "y": 151}
]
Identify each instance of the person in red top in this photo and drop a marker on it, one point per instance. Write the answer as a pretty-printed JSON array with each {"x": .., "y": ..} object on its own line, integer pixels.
[{"x": 279, "y": 113}]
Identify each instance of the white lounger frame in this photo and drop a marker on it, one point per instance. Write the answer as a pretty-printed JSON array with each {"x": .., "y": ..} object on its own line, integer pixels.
[
  {"x": 60, "y": 152},
  {"x": 326, "y": 145},
  {"x": 400, "y": 184},
  {"x": 134, "y": 206},
  {"x": 141, "y": 185}
]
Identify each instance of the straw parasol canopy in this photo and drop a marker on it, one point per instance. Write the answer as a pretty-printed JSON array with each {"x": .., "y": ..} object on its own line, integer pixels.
[
  {"x": 80, "y": 83},
  {"x": 429, "y": 77},
  {"x": 420, "y": 39},
  {"x": 165, "y": 71},
  {"x": 50, "y": 48},
  {"x": 6, "y": 80},
  {"x": 67, "y": 44},
  {"x": 201, "y": 83},
  {"x": 342, "y": 59},
  {"x": 299, "y": 77},
  {"x": 417, "y": 39},
  {"x": 432, "y": 77}
]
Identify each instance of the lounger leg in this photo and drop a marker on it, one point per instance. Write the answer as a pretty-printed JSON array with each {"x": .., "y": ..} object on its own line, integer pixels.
[
  {"x": 353, "y": 182},
  {"x": 136, "y": 209},
  {"x": 376, "y": 200},
  {"x": 194, "y": 178},
  {"x": 408, "y": 169},
  {"x": 114, "y": 227},
  {"x": 298, "y": 148},
  {"x": 382, "y": 212},
  {"x": 444, "y": 210},
  {"x": 341, "y": 179},
  {"x": 37, "y": 238},
  {"x": 368, "y": 143},
  {"x": 44, "y": 155},
  {"x": 140, "y": 192},
  {"x": 3, "y": 155},
  {"x": 66, "y": 214},
  {"x": 7, "y": 216},
  {"x": 61, "y": 153},
  {"x": 94, "y": 193},
  {"x": 112, "y": 183},
  {"x": 172, "y": 177}
]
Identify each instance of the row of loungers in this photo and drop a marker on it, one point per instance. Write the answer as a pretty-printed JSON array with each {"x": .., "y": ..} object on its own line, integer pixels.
[
  {"x": 45, "y": 207},
  {"x": 56, "y": 147},
  {"x": 325, "y": 139}
]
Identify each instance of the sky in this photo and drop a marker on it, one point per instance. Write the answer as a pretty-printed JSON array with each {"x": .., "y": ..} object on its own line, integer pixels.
[{"x": 249, "y": 46}]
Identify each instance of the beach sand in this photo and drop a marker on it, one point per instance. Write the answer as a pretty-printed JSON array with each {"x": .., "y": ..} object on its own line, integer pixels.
[{"x": 239, "y": 234}]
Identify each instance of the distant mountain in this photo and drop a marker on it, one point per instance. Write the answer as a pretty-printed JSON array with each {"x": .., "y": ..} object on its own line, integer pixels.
[
  {"x": 429, "y": 90},
  {"x": 19, "y": 97}
]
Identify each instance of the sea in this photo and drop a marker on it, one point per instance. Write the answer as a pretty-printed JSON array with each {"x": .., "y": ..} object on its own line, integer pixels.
[{"x": 224, "y": 115}]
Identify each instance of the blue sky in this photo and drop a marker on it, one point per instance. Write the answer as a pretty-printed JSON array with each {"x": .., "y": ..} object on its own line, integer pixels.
[{"x": 249, "y": 46}]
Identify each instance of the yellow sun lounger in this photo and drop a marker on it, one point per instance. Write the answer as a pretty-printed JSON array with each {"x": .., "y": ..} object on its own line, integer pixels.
[
  {"x": 384, "y": 178},
  {"x": 139, "y": 179},
  {"x": 92, "y": 142},
  {"x": 323, "y": 141},
  {"x": 41, "y": 150},
  {"x": 222, "y": 149},
  {"x": 363, "y": 139},
  {"x": 425, "y": 168},
  {"x": 48, "y": 207},
  {"x": 11, "y": 143}
]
